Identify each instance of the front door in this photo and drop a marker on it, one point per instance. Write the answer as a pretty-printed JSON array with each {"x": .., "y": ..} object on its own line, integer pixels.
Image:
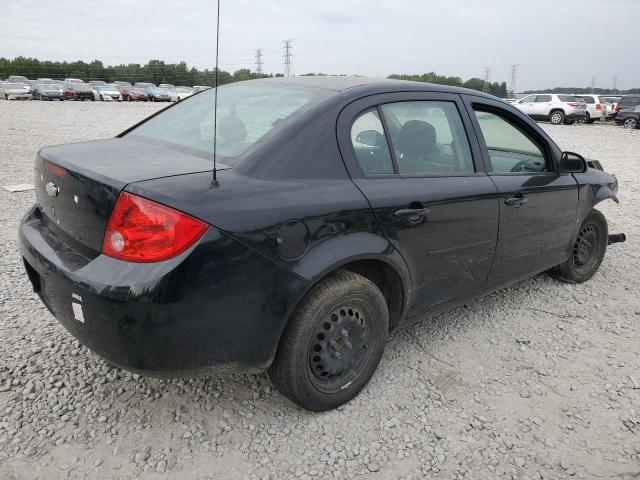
[
  {"x": 412, "y": 159},
  {"x": 538, "y": 206}
]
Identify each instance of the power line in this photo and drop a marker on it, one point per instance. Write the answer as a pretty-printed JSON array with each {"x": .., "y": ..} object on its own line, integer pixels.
[
  {"x": 513, "y": 74},
  {"x": 259, "y": 62},
  {"x": 487, "y": 76},
  {"x": 288, "y": 46}
]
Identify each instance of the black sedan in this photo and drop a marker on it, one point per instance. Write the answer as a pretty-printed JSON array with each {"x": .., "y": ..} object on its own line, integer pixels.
[
  {"x": 629, "y": 117},
  {"x": 341, "y": 208}
]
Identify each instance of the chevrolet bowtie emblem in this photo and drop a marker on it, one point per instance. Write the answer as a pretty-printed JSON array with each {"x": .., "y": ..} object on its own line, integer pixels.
[{"x": 52, "y": 190}]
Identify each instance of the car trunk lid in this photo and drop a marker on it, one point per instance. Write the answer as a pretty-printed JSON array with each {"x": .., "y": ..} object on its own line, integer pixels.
[{"x": 77, "y": 185}]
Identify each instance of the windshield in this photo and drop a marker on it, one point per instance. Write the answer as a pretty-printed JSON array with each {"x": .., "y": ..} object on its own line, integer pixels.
[
  {"x": 11, "y": 85},
  {"x": 47, "y": 86},
  {"x": 101, "y": 88},
  {"x": 81, "y": 87},
  {"x": 246, "y": 114}
]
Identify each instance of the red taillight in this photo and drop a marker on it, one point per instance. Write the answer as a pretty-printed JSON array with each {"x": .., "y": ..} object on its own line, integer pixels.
[
  {"x": 617, "y": 108},
  {"x": 573, "y": 104},
  {"x": 141, "y": 230},
  {"x": 55, "y": 169},
  {"x": 598, "y": 106}
]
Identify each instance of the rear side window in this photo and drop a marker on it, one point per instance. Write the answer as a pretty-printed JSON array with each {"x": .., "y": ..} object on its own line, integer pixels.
[
  {"x": 567, "y": 98},
  {"x": 370, "y": 144},
  {"x": 428, "y": 138},
  {"x": 510, "y": 150},
  {"x": 588, "y": 100},
  {"x": 629, "y": 101},
  {"x": 543, "y": 98}
]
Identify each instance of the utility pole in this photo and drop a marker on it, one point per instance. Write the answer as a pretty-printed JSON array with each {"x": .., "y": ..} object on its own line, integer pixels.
[
  {"x": 288, "y": 46},
  {"x": 487, "y": 75},
  {"x": 513, "y": 73},
  {"x": 259, "y": 61}
]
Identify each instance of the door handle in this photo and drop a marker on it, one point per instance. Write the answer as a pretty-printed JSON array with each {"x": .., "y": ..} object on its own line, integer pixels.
[
  {"x": 516, "y": 201},
  {"x": 411, "y": 212}
]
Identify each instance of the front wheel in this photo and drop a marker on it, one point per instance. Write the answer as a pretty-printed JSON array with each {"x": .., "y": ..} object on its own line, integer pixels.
[
  {"x": 630, "y": 123},
  {"x": 557, "y": 117},
  {"x": 333, "y": 343},
  {"x": 588, "y": 251}
]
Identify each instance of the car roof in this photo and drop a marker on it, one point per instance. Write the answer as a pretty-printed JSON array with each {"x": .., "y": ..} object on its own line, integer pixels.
[{"x": 366, "y": 85}]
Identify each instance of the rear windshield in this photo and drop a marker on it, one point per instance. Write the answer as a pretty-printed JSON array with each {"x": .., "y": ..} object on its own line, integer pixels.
[
  {"x": 246, "y": 114},
  {"x": 567, "y": 98}
]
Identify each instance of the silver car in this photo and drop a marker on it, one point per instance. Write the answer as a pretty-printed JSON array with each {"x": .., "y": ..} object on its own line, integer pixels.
[
  {"x": 555, "y": 108},
  {"x": 14, "y": 91}
]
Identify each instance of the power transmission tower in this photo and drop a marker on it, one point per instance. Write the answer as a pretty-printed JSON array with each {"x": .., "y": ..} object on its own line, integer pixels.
[
  {"x": 593, "y": 83},
  {"x": 487, "y": 75},
  {"x": 259, "y": 62},
  {"x": 513, "y": 73},
  {"x": 615, "y": 82},
  {"x": 288, "y": 46}
]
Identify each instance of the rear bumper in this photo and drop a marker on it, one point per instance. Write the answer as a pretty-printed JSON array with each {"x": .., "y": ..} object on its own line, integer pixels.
[
  {"x": 19, "y": 96},
  {"x": 575, "y": 116},
  {"x": 218, "y": 307}
]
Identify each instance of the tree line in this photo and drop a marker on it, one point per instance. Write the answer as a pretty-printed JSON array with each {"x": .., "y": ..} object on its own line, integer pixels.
[{"x": 494, "y": 88}]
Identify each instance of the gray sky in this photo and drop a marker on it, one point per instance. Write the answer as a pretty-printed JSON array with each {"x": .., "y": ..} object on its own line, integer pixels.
[{"x": 555, "y": 42}]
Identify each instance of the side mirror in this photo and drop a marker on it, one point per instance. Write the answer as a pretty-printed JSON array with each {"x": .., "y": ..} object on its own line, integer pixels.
[
  {"x": 371, "y": 138},
  {"x": 572, "y": 163}
]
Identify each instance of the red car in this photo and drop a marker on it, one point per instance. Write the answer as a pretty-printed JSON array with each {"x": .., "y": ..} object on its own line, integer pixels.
[{"x": 133, "y": 94}]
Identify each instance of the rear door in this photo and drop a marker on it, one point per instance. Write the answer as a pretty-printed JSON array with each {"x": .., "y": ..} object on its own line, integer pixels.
[
  {"x": 538, "y": 205},
  {"x": 410, "y": 154}
]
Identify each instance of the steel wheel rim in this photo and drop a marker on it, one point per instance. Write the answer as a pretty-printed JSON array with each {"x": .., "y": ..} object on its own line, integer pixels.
[
  {"x": 585, "y": 249},
  {"x": 339, "y": 350}
]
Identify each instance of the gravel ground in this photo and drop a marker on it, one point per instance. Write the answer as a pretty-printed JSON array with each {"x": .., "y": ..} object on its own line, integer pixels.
[{"x": 537, "y": 381}]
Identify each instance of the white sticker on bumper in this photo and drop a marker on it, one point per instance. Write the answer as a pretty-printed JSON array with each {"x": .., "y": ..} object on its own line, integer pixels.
[{"x": 77, "y": 311}]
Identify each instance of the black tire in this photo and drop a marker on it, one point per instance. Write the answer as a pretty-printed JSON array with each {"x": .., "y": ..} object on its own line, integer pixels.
[
  {"x": 630, "y": 123},
  {"x": 588, "y": 250},
  {"x": 556, "y": 117},
  {"x": 333, "y": 343}
]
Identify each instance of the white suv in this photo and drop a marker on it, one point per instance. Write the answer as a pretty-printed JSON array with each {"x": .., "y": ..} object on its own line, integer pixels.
[
  {"x": 555, "y": 108},
  {"x": 596, "y": 107}
]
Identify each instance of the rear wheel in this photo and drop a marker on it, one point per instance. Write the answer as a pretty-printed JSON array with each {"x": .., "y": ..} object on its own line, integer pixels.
[
  {"x": 556, "y": 117},
  {"x": 333, "y": 343},
  {"x": 588, "y": 251},
  {"x": 630, "y": 123}
]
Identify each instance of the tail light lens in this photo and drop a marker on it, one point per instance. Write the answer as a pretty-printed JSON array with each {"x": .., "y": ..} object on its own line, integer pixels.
[
  {"x": 617, "y": 108},
  {"x": 141, "y": 230},
  {"x": 573, "y": 104},
  {"x": 598, "y": 106},
  {"x": 55, "y": 169}
]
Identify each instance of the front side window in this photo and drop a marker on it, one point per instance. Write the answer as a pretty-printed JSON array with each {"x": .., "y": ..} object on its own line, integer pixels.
[
  {"x": 510, "y": 150},
  {"x": 529, "y": 99},
  {"x": 246, "y": 114},
  {"x": 370, "y": 144},
  {"x": 428, "y": 138}
]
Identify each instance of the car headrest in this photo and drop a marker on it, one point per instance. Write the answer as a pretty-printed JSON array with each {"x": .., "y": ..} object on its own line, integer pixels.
[
  {"x": 416, "y": 137},
  {"x": 231, "y": 130}
]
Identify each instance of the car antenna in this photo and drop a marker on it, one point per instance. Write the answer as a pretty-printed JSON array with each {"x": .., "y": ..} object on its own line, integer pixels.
[{"x": 215, "y": 102}]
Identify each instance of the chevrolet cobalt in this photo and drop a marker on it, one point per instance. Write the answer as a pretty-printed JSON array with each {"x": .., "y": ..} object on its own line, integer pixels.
[{"x": 341, "y": 208}]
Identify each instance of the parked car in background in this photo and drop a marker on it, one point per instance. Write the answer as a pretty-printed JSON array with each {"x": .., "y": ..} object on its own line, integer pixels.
[
  {"x": 14, "y": 91},
  {"x": 200, "y": 88},
  {"x": 96, "y": 83},
  {"x": 48, "y": 91},
  {"x": 167, "y": 85},
  {"x": 17, "y": 79},
  {"x": 157, "y": 94},
  {"x": 557, "y": 109},
  {"x": 78, "y": 91},
  {"x": 180, "y": 93},
  {"x": 143, "y": 84},
  {"x": 594, "y": 107},
  {"x": 628, "y": 101},
  {"x": 122, "y": 83},
  {"x": 107, "y": 93},
  {"x": 629, "y": 117},
  {"x": 73, "y": 80},
  {"x": 134, "y": 94},
  {"x": 46, "y": 80},
  {"x": 610, "y": 105},
  {"x": 345, "y": 208}
]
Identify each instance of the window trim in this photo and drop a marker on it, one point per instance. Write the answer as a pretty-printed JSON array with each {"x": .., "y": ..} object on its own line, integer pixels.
[
  {"x": 514, "y": 121},
  {"x": 478, "y": 169},
  {"x": 384, "y": 132}
]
